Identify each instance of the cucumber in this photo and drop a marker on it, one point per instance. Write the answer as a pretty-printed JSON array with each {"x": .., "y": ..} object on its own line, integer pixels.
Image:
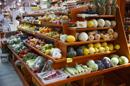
[{"x": 70, "y": 70}]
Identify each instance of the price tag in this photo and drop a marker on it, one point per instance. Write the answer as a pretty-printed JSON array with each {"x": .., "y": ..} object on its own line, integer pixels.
[{"x": 69, "y": 60}]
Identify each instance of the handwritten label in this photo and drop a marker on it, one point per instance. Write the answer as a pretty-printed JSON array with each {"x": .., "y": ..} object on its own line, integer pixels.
[{"x": 69, "y": 60}]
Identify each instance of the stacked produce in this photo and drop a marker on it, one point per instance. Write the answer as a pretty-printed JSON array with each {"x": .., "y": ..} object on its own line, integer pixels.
[
  {"x": 92, "y": 66},
  {"x": 110, "y": 34},
  {"x": 100, "y": 7},
  {"x": 47, "y": 49},
  {"x": 27, "y": 26},
  {"x": 56, "y": 19},
  {"x": 92, "y": 49},
  {"x": 16, "y": 43},
  {"x": 34, "y": 61},
  {"x": 35, "y": 20},
  {"x": 94, "y": 23},
  {"x": 46, "y": 31}
]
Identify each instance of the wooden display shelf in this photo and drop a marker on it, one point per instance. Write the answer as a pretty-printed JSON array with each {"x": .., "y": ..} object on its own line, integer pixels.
[
  {"x": 100, "y": 72},
  {"x": 37, "y": 34},
  {"x": 33, "y": 14},
  {"x": 127, "y": 31},
  {"x": 87, "y": 42},
  {"x": 92, "y": 56},
  {"x": 70, "y": 79},
  {"x": 127, "y": 22},
  {"x": 25, "y": 83},
  {"x": 98, "y": 16},
  {"x": 89, "y": 29},
  {"x": 49, "y": 24},
  {"x": 46, "y": 56},
  {"x": 26, "y": 66}
]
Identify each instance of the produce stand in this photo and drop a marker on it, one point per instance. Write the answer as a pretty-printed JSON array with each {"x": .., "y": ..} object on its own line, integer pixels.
[{"x": 63, "y": 62}]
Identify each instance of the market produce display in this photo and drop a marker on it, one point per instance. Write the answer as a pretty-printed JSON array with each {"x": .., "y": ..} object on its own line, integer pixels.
[
  {"x": 47, "y": 49},
  {"x": 92, "y": 49},
  {"x": 70, "y": 42},
  {"x": 96, "y": 65}
]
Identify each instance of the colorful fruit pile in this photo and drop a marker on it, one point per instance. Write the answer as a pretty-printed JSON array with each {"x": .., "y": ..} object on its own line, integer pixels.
[
  {"x": 26, "y": 26},
  {"x": 96, "y": 65},
  {"x": 49, "y": 32},
  {"x": 35, "y": 20},
  {"x": 55, "y": 18},
  {"x": 92, "y": 49},
  {"x": 47, "y": 49},
  {"x": 110, "y": 34},
  {"x": 97, "y": 35}
]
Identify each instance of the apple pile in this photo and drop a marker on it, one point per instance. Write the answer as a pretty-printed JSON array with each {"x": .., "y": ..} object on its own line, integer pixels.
[{"x": 92, "y": 49}]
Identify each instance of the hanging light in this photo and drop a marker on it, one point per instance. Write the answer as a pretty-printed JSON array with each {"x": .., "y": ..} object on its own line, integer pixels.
[{"x": 0, "y": 3}]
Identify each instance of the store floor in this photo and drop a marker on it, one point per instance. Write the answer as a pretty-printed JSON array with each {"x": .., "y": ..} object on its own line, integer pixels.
[{"x": 8, "y": 76}]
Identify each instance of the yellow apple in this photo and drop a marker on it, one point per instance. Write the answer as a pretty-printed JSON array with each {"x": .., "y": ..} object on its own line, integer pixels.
[
  {"x": 85, "y": 51},
  {"x": 104, "y": 44},
  {"x": 90, "y": 45}
]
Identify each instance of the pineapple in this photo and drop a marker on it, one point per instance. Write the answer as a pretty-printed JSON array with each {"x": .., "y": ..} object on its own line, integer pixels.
[
  {"x": 101, "y": 7},
  {"x": 114, "y": 7},
  {"x": 109, "y": 7}
]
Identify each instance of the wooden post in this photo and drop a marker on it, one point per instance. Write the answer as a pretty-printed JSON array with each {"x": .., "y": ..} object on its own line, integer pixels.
[{"x": 122, "y": 4}]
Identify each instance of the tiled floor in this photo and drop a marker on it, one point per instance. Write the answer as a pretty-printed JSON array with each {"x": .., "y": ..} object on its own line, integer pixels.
[{"x": 8, "y": 76}]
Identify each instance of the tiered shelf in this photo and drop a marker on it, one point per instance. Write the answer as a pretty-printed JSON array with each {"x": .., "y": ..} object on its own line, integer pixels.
[
  {"x": 98, "y": 16},
  {"x": 88, "y": 29}
]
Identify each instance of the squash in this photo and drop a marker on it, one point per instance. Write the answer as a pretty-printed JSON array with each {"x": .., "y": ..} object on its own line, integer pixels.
[
  {"x": 101, "y": 23},
  {"x": 83, "y": 36}
]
